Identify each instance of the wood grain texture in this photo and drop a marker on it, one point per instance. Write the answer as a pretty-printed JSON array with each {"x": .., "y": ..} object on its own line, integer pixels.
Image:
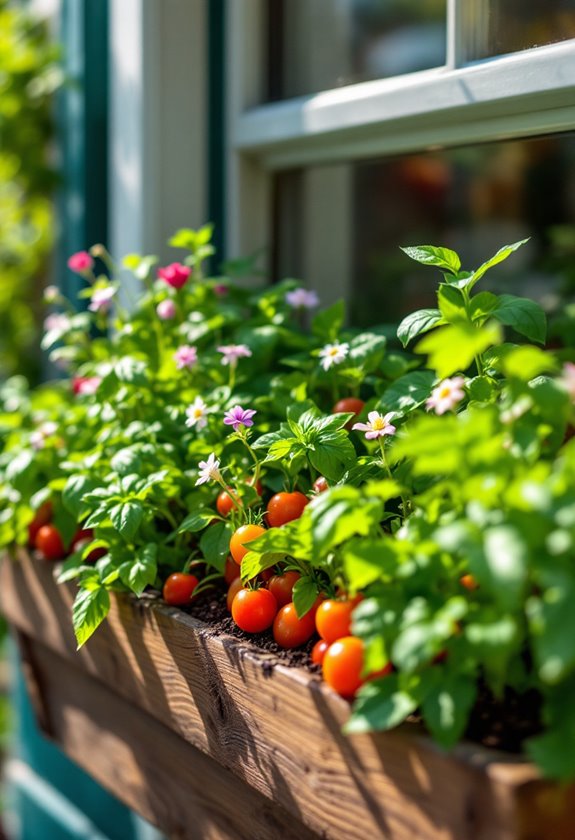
[{"x": 279, "y": 729}]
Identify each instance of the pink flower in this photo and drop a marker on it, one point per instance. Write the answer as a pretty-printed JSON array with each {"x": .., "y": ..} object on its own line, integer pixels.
[
  {"x": 42, "y": 433},
  {"x": 186, "y": 356},
  {"x": 233, "y": 352},
  {"x": 568, "y": 379},
  {"x": 102, "y": 299},
  {"x": 221, "y": 290},
  {"x": 238, "y": 416},
  {"x": 302, "y": 299},
  {"x": 166, "y": 309},
  {"x": 81, "y": 262},
  {"x": 377, "y": 426},
  {"x": 85, "y": 384},
  {"x": 446, "y": 395},
  {"x": 175, "y": 275},
  {"x": 57, "y": 321},
  {"x": 209, "y": 470}
]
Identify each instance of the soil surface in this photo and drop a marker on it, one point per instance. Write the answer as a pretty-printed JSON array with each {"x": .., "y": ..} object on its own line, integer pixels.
[{"x": 498, "y": 723}]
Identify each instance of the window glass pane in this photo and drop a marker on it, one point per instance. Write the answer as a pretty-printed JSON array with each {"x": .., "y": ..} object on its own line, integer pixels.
[
  {"x": 495, "y": 27},
  {"x": 352, "y": 219},
  {"x": 316, "y": 45}
]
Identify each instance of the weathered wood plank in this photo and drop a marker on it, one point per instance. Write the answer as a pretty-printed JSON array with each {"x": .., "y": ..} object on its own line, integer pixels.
[{"x": 278, "y": 729}]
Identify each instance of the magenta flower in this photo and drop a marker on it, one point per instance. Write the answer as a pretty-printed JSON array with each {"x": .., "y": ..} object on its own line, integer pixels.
[
  {"x": 102, "y": 299},
  {"x": 166, "y": 309},
  {"x": 85, "y": 384},
  {"x": 302, "y": 299},
  {"x": 221, "y": 290},
  {"x": 446, "y": 395},
  {"x": 186, "y": 356},
  {"x": 238, "y": 416},
  {"x": 81, "y": 262},
  {"x": 377, "y": 426},
  {"x": 175, "y": 275},
  {"x": 233, "y": 352}
]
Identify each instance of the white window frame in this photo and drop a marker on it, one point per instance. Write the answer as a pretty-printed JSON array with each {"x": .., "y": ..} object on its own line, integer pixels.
[{"x": 523, "y": 94}]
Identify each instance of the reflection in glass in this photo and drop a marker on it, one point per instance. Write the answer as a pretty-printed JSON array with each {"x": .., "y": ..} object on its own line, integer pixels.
[
  {"x": 496, "y": 27},
  {"x": 316, "y": 45},
  {"x": 353, "y": 218}
]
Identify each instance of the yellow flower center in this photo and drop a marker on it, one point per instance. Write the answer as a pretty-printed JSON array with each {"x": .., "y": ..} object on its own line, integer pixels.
[
  {"x": 334, "y": 351},
  {"x": 198, "y": 413},
  {"x": 445, "y": 392},
  {"x": 378, "y": 424}
]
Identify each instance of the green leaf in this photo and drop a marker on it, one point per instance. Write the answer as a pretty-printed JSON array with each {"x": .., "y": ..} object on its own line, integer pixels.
[
  {"x": 443, "y": 258},
  {"x": 368, "y": 560},
  {"x": 330, "y": 455},
  {"x": 451, "y": 303},
  {"x": 446, "y": 709},
  {"x": 524, "y": 315},
  {"x": 253, "y": 563},
  {"x": 90, "y": 608},
  {"x": 505, "y": 557},
  {"x": 501, "y": 255},
  {"x": 482, "y": 305},
  {"x": 215, "y": 544},
  {"x": 133, "y": 371},
  {"x": 196, "y": 520},
  {"x": 304, "y": 595},
  {"x": 554, "y": 751},
  {"x": 380, "y": 706},
  {"x": 408, "y": 392},
  {"x": 127, "y": 518},
  {"x": 142, "y": 570},
  {"x": 525, "y": 363},
  {"x": 76, "y": 487},
  {"x": 337, "y": 515},
  {"x": 552, "y": 624},
  {"x": 418, "y": 322},
  {"x": 455, "y": 347},
  {"x": 327, "y": 324}
]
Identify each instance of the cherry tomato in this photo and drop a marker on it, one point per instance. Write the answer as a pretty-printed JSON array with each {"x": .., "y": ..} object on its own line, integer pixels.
[
  {"x": 291, "y": 631},
  {"x": 82, "y": 537},
  {"x": 244, "y": 534},
  {"x": 285, "y": 507},
  {"x": 320, "y": 485},
  {"x": 49, "y": 543},
  {"x": 179, "y": 588},
  {"x": 259, "y": 488},
  {"x": 281, "y": 586},
  {"x": 254, "y": 610},
  {"x": 342, "y": 666},
  {"x": 318, "y": 651},
  {"x": 349, "y": 404},
  {"x": 231, "y": 571},
  {"x": 233, "y": 590},
  {"x": 266, "y": 575},
  {"x": 333, "y": 619},
  {"x": 42, "y": 517},
  {"x": 225, "y": 504},
  {"x": 468, "y": 582}
]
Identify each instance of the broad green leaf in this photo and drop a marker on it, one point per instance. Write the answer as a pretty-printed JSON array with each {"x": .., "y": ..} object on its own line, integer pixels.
[
  {"x": 140, "y": 571},
  {"x": 90, "y": 608},
  {"x": 482, "y": 305},
  {"x": 76, "y": 487},
  {"x": 524, "y": 315},
  {"x": 196, "y": 520},
  {"x": 554, "y": 751},
  {"x": 407, "y": 392},
  {"x": 418, "y": 322},
  {"x": 215, "y": 544},
  {"x": 454, "y": 348},
  {"x": 526, "y": 362},
  {"x": 503, "y": 564},
  {"x": 443, "y": 258},
  {"x": 368, "y": 560},
  {"x": 381, "y": 706},
  {"x": 337, "y": 515},
  {"x": 253, "y": 563},
  {"x": 446, "y": 709},
  {"x": 552, "y": 624},
  {"x": 133, "y": 371},
  {"x": 304, "y": 595},
  {"x": 127, "y": 518},
  {"x": 327, "y": 324},
  {"x": 501, "y": 255},
  {"x": 451, "y": 304}
]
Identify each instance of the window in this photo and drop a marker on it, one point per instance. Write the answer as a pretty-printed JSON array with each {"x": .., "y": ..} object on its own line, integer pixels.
[{"x": 351, "y": 121}]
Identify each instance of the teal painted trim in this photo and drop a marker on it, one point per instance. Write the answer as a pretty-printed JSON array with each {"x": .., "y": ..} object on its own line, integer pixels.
[{"x": 217, "y": 125}]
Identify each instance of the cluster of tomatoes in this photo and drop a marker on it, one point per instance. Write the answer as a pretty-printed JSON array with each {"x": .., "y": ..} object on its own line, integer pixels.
[{"x": 45, "y": 537}]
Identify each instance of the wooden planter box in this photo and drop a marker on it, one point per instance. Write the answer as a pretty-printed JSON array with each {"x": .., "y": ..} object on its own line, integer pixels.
[{"x": 205, "y": 737}]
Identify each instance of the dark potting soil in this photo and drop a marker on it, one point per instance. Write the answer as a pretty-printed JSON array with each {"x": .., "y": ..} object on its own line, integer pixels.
[{"x": 498, "y": 723}]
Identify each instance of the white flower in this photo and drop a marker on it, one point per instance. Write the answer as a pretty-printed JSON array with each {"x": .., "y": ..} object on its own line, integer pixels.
[
  {"x": 333, "y": 354},
  {"x": 209, "y": 470},
  {"x": 51, "y": 294},
  {"x": 302, "y": 299},
  {"x": 446, "y": 395},
  {"x": 57, "y": 321},
  {"x": 196, "y": 414},
  {"x": 102, "y": 298},
  {"x": 377, "y": 425},
  {"x": 39, "y": 435}
]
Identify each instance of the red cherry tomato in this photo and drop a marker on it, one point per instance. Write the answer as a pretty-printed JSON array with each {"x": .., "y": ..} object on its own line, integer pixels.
[
  {"x": 349, "y": 404},
  {"x": 179, "y": 588},
  {"x": 244, "y": 534},
  {"x": 281, "y": 587},
  {"x": 225, "y": 504},
  {"x": 285, "y": 507},
  {"x": 259, "y": 488},
  {"x": 233, "y": 590},
  {"x": 333, "y": 619},
  {"x": 266, "y": 576},
  {"x": 42, "y": 517},
  {"x": 231, "y": 571},
  {"x": 82, "y": 537},
  {"x": 468, "y": 582},
  {"x": 342, "y": 666},
  {"x": 254, "y": 610},
  {"x": 383, "y": 672},
  {"x": 320, "y": 485},
  {"x": 291, "y": 631},
  {"x": 318, "y": 651},
  {"x": 49, "y": 543}
]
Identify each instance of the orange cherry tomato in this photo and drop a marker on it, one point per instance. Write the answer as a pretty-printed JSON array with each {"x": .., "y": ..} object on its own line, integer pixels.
[
  {"x": 254, "y": 610},
  {"x": 318, "y": 651},
  {"x": 281, "y": 586},
  {"x": 231, "y": 571},
  {"x": 285, "y": 507},
  {"x": 333, "y": 619},
  {"x": 349, "y": 404},
  {"x": 320, "y": 485},
  {"x": 179, "y": 588},
  {"x": 291, "y": 631},
  {"x": 383, "y": 672},
  {"x": 244, "y": 534},
  {"x": 233, "y": 590},
  {"x": 49, "y": 543},
  {"x": 342, "y": 666},
  {"x": 225, "y": 504},
  {"x": 469, "y": 582}
]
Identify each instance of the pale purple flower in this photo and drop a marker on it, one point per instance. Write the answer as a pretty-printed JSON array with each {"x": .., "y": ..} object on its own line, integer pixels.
[
  {"x": 57, "y": 321},
  {"x": 238, "y": 416},
  {"x": 302, "y": 299},
  {"x": 186, "y": 356},
  {"x": 209, "y": 470},
  {"x": 377, "y": 425},
  {"x": 333, "y": 354},
  {"x": 51, "y": 294},
  {"x": 196, "y": 414},
  {"x": 446, "y": 395},
  {"x": 233, "y": 352},
  {"x": 102, "y": 298},
  {"x": 166, "y": 309},
  {"x": 568, "y": 379}
]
